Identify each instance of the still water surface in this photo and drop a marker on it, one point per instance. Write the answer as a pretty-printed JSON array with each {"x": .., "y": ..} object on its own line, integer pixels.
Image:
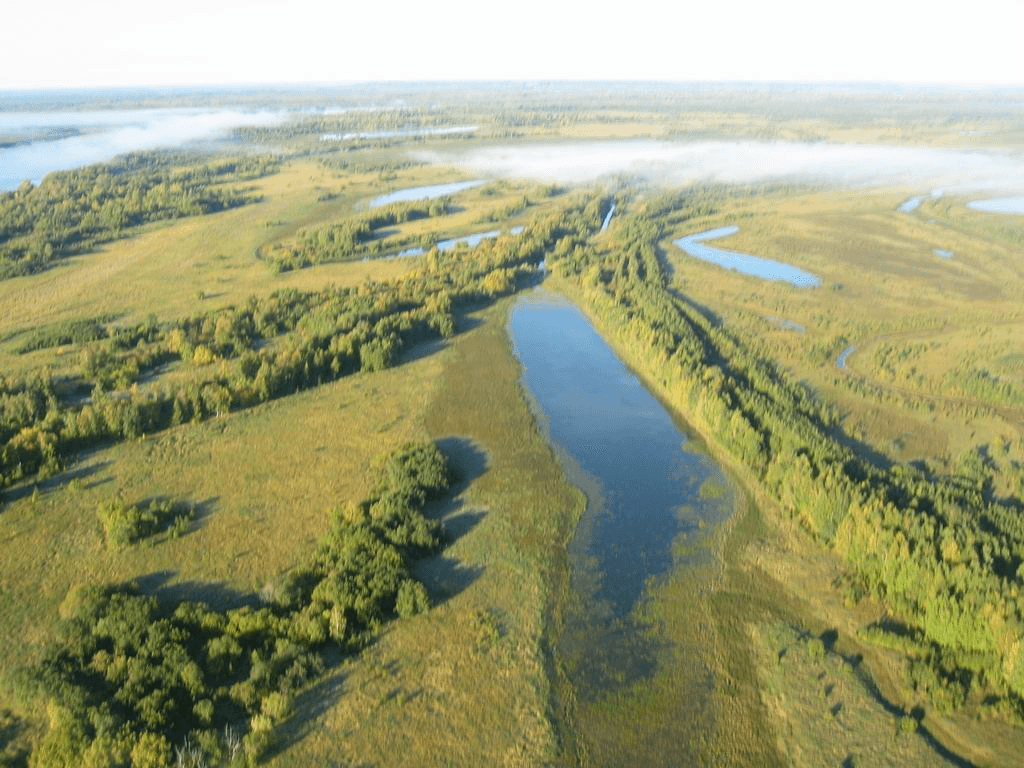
[
  {"x": 428, "y": 192},
  {"x": 647, "y": 485},
  {"x": 767, "y": 269},
  {"x": 999, "y": 205}
]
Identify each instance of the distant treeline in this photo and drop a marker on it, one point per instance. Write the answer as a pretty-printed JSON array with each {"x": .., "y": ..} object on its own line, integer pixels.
[
  {"x": 135, "y": 680},
  {"x": 940, "y": 551},
  {"x": 72, "y": 211},
  {"x": 268, "y": 348}
]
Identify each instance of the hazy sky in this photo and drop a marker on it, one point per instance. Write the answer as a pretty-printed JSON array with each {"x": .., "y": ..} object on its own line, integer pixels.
[{"x": 117, "y": 42}]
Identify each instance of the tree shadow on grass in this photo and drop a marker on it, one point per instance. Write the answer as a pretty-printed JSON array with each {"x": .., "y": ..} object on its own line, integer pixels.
[
  {"x": 445, "y": 576},
  {"x": 53, "y": 483},
  {"x": 308, "y": 709},
  {"x": 201, "y": 510},
  {"x": 216, "y": 595}
]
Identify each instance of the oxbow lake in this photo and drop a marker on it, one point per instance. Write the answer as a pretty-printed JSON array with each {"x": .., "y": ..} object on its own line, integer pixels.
[{"x": 767, "y": 269}]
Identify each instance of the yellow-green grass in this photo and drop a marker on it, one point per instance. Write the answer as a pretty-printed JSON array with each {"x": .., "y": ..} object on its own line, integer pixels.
[
  {"x": 822, "y": 711},
  {"x": 182, "y": 268},
  {"x": 880, "y": 279},
  {"x": 775, "y": 575},
  {"x": 190, "y": 266},
  {"x": 464, "y": 684},
  {"x": 266, "y": 478},
  {"x": 265, "y": 481}
]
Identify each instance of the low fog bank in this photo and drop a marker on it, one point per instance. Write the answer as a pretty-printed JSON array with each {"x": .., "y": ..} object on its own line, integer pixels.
[
  {"x": 743, "y": 162},
  {"x": 106, "y": 134}
]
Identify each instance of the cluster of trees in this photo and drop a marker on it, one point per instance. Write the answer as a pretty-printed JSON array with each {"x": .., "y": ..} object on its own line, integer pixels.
[
  {"x": 65, "y": 332},
  {"x": 354, "y": 238},
  {"x": 268, "y": 348},
  {"x": 941, "y": 551},
  {"x": 72, "y": 211},
  {"x": 138, "y": 681},
  {"x": 125, "y": 524}
]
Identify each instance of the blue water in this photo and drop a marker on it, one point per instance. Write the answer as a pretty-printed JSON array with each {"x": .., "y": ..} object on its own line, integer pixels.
[
  {"x": 470, "y": 240},
  {"x": 999, "y": 205},
  {"x": 608, "y": 218},
  {"x": 756, "y": 266},
  {"x": 911, "y": 204},
  {"x": 942, "y": 253},
  {"x": 641, "y": 473},
  {"x": 841, "y": 360},
  {"x": 427, "y": 192}
]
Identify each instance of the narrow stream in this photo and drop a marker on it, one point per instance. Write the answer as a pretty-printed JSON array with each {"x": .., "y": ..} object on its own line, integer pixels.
[{"x": 649, "y": 490}]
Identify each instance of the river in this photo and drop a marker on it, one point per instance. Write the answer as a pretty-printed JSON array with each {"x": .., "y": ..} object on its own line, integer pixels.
[{"x": 653, "y": 498}]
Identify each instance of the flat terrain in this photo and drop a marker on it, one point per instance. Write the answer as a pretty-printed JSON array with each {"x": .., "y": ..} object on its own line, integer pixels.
[{"x": 927, "y": 304}]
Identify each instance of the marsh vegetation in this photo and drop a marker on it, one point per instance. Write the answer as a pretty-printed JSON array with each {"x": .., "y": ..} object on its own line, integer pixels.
[{"x": 273, "y": 497}]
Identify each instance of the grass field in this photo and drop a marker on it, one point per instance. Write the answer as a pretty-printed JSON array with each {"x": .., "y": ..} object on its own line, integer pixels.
[
  {"x": 881, "y": 284},
  {"x": 474, "y": 681}
]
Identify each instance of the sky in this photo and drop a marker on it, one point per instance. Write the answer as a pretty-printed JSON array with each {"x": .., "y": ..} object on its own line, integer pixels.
[{"x": 101, "y": 43}]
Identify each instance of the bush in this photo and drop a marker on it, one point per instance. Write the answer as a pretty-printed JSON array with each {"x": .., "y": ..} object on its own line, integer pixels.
[
  {"x": 412, "y": 599},
  {"x": 125, "y": 524}
]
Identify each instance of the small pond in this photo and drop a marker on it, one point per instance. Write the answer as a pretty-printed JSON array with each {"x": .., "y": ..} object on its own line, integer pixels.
[
  {"x": 427, "y": 192},
  {"x": 999, "y": 205},
  {"x": 756, "y": 266},
  {"x": 469, "y": 240},
  {"x": 912, "y": 204}
]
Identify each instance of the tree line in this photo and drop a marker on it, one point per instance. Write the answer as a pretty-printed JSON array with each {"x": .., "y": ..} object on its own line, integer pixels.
[
  {"x": 136, "y": 680},
  {"x": 72, "y": 211},
  {"x": 942, "y": 552},
  {"x": 356, "y": 237},
  {"x": 267, "y": 348}
]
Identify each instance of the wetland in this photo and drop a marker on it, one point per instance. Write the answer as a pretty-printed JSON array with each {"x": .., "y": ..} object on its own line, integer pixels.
[{"x": 415, "y": 511}]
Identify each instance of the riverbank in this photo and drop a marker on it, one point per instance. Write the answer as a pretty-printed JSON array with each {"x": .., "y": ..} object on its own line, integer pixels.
[
  {"x": 467, "y": 683},
  {"x": 780, "y": 598}
]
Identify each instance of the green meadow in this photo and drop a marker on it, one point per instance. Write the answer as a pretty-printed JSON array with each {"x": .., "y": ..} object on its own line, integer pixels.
[{"x": 273, "y": 351}]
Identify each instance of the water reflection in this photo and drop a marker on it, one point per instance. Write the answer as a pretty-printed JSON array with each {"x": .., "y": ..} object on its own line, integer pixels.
[
  {"x": 427, "y": 192},
  {"x": 999, "y": 205},
  {"x": 646, "y": 487}
]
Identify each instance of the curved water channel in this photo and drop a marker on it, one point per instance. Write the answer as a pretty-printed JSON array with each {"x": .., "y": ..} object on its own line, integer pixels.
[
  {"x": 767, "y": 269},
  {"x": 649, "y": 488}
]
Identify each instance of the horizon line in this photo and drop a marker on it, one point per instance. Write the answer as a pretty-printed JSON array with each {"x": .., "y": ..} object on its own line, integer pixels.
[{"x": 340, "y": 84}]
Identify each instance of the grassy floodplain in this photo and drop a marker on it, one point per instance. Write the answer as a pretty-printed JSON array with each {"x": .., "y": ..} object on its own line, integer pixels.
[{"x": 929, "y": 299}]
